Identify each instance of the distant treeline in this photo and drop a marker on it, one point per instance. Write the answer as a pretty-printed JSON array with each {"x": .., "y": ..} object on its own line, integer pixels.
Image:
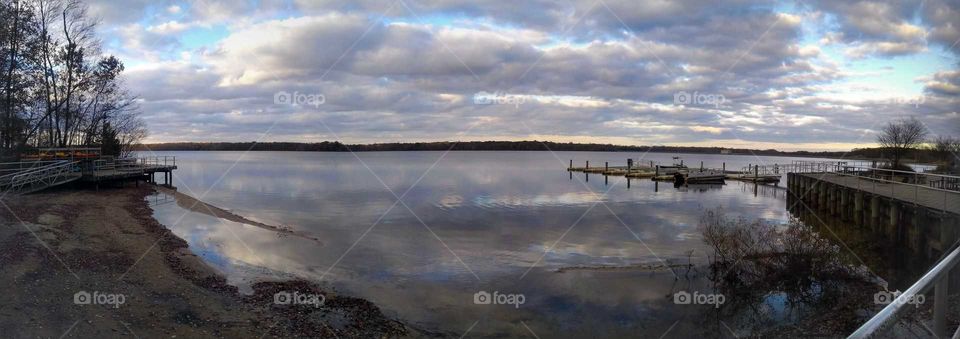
[{"x": 327, "y": 146}]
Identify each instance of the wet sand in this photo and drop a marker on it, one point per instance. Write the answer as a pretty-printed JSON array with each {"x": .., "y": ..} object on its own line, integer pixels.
[{"x": 57, "y": 246}]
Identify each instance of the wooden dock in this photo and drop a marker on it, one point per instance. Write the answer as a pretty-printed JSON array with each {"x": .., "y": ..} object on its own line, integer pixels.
[{"x": 770, "y": 174}]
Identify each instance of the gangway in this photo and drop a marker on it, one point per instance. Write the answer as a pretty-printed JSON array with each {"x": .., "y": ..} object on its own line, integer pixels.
[{"x": 42, "y": 177}]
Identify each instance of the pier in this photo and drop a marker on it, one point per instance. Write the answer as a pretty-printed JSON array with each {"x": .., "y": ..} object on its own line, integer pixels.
[
  {"x": 763, "y": 174},
  {"x": 55, "y": 167},
  {"x": 920, "y": 210}
]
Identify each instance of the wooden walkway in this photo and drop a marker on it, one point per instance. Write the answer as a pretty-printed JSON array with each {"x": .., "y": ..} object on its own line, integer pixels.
[{"x": 922, "y": 196}]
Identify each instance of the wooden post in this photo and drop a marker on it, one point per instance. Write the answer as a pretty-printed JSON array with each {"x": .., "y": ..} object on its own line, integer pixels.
[
  {"x": 656, "y": 172},
  {"x": 701, "y": 166},
  {"x": 606, "y": 166},
  {"x": 588, "y": 163},
  {"x": 571, "y": 164},
  {"x": 724, "y": 167}
]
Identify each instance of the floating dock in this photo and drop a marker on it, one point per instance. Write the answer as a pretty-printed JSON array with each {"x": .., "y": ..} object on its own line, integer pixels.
[{"x": 762, "y": 174}]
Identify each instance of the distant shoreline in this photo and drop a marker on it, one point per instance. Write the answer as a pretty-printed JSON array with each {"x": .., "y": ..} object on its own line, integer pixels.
[{"x": 484, "y": 146}]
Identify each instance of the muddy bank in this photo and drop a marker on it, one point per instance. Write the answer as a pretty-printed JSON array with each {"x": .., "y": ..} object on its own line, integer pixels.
[{"x": 96, "y": 264}]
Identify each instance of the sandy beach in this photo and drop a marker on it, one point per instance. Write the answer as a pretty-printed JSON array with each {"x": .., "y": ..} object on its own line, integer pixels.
[{"x": 90, "y": 264}]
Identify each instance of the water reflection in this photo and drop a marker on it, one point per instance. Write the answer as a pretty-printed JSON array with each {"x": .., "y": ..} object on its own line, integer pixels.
[{"x": 486, "y": 215}]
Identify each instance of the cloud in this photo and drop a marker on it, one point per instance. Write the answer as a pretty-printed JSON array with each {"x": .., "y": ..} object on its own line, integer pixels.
[{"x": 584, "y": 70}]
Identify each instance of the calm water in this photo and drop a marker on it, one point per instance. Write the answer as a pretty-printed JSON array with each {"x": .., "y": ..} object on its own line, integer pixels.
[{"x": 477, "y": 221}]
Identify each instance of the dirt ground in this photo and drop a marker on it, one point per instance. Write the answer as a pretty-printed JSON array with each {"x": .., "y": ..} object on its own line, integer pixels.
[{"x": 87, "y": 264}]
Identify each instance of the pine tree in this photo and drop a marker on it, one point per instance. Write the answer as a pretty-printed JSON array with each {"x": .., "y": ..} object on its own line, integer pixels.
[{"x": 109, "y": 143}]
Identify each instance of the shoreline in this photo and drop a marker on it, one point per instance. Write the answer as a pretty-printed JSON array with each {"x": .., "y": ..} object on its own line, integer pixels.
[{"x": 64, "y": 243}]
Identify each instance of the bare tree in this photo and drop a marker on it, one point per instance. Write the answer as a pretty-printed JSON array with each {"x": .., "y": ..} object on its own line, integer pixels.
[
  {"x": 56, "y": 87},
  {"x": 943, "y": 147},
  {"x": 901, "y": 136}
]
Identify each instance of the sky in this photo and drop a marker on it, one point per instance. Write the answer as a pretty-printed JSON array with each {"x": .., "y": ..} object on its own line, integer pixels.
[{"x": 810, "y": 75}]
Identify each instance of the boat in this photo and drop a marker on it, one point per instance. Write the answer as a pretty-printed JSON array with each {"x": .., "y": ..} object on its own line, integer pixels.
[
  {"x": 677, "y": 167},
  {"x": 705, "y": 176}
]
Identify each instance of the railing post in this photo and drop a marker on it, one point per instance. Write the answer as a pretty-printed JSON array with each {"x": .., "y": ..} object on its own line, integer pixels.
[
  {"x": 916, "y": 191},
  {"x": 940, "y": 306}
]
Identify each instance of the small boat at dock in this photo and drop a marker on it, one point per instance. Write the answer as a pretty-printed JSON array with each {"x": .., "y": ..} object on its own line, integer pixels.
[{"x": 705, "y": 176}]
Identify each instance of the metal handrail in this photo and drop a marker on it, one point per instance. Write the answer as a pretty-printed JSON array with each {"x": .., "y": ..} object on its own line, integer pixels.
[
  {"x": 938, "y": 275},
  {"x": 40, "y": 174},
  {"x": 20, "y": 166},
  {"x": 843, "y": 168},
  {"x": 40, "y": 169},
  {"x": 163, "y": 160}
]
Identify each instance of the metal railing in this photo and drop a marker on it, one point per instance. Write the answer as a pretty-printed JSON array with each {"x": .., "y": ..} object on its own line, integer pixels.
[
  {"x": 8, "y": 169},
  {"x": 165, "y": 160},
  {"x": 873, "y": 178},
  {"x": 133, "y": 164},
  {"x": 46, "y": 175},
  {"x": 937, "y": 277}
]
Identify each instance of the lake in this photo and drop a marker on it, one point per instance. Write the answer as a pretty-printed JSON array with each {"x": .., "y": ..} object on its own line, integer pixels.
[{"x": 573, "y": 247}]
